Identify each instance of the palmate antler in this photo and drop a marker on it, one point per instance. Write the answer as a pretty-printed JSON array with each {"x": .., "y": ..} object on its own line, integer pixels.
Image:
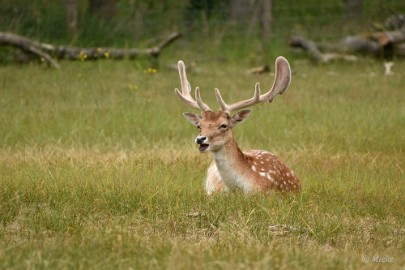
[
  {"x": 186, "y": 89},
  {"x": 282, "y": 79}
]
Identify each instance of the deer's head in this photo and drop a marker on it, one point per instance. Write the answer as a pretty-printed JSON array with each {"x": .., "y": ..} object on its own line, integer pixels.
[{"x": 216, "y": 126}]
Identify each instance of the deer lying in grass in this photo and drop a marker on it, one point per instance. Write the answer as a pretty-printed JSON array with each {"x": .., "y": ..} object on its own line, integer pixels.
[{"x": 252, "y": 170}]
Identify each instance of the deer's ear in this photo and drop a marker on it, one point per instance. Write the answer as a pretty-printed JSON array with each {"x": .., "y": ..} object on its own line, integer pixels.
[
  {"x": 239, "y": 117},
  {"x": 192, "y": 118}
]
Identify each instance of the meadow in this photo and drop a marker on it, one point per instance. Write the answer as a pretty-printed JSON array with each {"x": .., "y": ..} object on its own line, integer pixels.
[{"x": 98, "y": 169}]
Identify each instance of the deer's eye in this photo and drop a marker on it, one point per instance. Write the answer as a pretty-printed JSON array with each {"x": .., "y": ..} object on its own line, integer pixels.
[
  {"x": 198, "y": 127},
  {"x": 223, "y": 126}
]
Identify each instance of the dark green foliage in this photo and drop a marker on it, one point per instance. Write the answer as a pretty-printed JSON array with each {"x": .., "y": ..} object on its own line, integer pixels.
[{"x": 137, "y": 23}]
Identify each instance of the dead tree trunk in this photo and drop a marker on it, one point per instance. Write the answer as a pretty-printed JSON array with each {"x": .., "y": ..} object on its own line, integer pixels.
[
  {"x": 72, "y": 10},
  {"x": 48, "y": 52},
  {"x": 353, "y": 9},
  {"x": 103, "y": 8},
  {"x": 266, "y": 19}
]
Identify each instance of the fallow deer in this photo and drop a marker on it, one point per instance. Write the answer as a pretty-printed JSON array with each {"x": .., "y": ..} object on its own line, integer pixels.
[{"x": 231, "y": 169}]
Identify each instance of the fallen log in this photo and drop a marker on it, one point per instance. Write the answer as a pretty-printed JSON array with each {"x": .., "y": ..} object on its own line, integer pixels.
[
  {"x": 347, "y": 48},
  {"x": 307, "y": 45},
  {"x": 386, "y": 42},
  {"x": 315, "y": 53},
  {"x": 48, "y": 52},
  {"x": 385, "y": 38},
  {"x": 360, "y": 45}
]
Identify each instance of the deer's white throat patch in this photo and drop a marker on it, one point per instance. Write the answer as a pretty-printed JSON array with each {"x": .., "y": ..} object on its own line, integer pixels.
[{"x": 230, "y": 173}]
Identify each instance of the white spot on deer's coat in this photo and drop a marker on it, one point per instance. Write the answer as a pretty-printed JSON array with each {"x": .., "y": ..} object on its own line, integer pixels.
[{"x": 254, "y": 168}]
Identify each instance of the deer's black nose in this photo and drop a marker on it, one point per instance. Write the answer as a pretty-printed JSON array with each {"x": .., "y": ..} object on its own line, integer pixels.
[{"x": 200, "y": 139}]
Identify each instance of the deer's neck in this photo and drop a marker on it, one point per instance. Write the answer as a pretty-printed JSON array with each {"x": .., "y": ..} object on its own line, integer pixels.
[
  {"x": 229, "y": 153},
  {"x": 230, "y": 160}
]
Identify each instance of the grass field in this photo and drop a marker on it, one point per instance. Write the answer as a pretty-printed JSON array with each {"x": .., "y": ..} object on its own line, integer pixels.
[{"x": 98, "y": 170}]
